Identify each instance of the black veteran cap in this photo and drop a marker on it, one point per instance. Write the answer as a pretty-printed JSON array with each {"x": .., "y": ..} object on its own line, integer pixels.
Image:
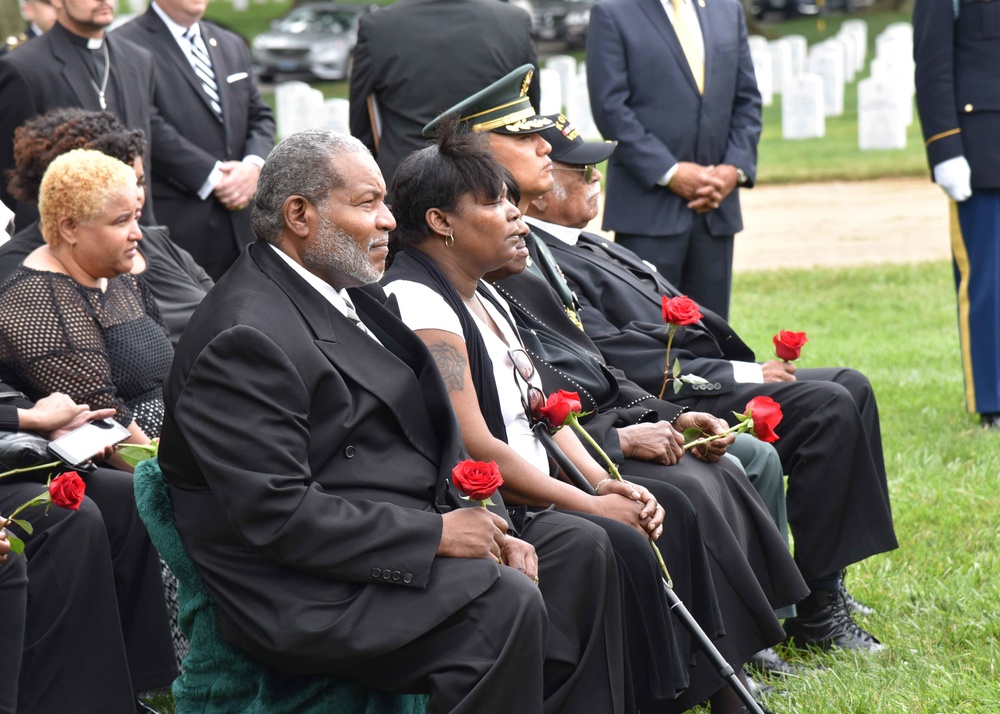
[
  {"x": 570, "y": 148},
  {"x": 502, "y": 107}
]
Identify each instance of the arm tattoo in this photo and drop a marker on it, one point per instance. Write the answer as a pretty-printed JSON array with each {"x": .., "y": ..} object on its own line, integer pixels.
[{"x": 450, "y": 364}]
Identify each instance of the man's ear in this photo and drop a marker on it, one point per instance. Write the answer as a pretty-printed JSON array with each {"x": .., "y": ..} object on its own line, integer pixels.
[
  {"x": 300, "y": 216},
  {"x": 538, "y": 206},
  {"x": 438, "y": 221}
]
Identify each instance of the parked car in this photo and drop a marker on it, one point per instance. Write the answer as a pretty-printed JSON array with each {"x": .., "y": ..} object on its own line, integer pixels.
[
  {"x": 563, "y": 21},
  {"x": 316, "y": 38}
]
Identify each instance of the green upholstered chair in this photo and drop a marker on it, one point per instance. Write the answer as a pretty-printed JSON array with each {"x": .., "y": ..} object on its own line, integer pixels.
[{"x": 222, "y": 679}]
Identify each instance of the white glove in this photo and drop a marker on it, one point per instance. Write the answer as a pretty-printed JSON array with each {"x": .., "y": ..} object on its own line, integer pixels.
[{"x": 955, "y": 177}]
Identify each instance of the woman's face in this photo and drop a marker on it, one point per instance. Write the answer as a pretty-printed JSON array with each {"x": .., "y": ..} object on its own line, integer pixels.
[
  {"x": 489, "y": 231},
  {"x": 140, "y": 181},
  {"x": 106, "y": 245}
]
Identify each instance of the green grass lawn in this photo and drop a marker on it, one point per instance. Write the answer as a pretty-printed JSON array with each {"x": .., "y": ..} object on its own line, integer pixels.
[{"x": 937, "y": 595}]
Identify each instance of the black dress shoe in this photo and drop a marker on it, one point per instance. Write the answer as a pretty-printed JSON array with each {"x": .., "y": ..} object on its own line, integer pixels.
[
  {"x": 767, "y": 663},
  {"x": 990, "y": 420},
  {"x": 824, "y": 621}
]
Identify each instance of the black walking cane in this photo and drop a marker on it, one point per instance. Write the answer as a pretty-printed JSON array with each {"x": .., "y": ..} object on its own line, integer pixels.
[{"x": 725, "y": 669}]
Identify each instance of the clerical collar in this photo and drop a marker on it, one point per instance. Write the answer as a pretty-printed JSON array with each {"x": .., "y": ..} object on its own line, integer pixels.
[
  {"x": 566, "y": 234},
  {"x": 82, "y": 42}
]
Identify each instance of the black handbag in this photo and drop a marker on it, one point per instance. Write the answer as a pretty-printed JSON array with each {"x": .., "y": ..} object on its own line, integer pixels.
[{"x": 20, "y": 449}]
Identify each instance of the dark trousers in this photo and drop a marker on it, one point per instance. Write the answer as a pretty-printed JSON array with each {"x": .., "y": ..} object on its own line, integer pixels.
[
  {"x": 96, "y": 619},
  {"x": 698, "y": 263},
  {"x": 13, "y": 603},
  {"x": 975, "y": 248},
  {"x": 831, "y": 448}
]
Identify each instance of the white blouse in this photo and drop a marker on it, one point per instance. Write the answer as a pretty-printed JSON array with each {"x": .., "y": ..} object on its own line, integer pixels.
[{"x": 423, "y": 309}]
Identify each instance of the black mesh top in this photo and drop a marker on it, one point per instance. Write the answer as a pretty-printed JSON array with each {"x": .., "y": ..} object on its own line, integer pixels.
[{"x": 104, "y": 349}]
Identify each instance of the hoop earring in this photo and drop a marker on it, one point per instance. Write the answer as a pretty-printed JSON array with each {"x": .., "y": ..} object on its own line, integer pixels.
[{"x": 449, "y": 240}]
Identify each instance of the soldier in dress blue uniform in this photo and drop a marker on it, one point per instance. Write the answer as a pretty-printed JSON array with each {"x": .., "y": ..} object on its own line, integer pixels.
[{"x": 956, "y": 45}]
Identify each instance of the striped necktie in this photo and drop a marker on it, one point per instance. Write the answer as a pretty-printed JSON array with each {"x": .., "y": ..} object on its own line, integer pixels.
[
  {"x": 202, "y": 65},
  {"x": 685, "y": 33}
]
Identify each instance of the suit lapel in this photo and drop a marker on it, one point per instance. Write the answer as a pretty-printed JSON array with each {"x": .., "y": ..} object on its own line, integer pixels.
[
  {"x": 657, "y": 15},
  {"x": 73, "y": 70},
  {"x": 353, "y": 353}
]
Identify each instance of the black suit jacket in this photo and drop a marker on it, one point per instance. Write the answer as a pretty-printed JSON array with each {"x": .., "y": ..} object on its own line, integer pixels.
[
  {"x": 452, "y": 49},
  {"x": 46, "y": 73},
  {"x": 183, "y": 159},
  {"x": 307, "y": 473},
  {"x": 621, "y": 311}
]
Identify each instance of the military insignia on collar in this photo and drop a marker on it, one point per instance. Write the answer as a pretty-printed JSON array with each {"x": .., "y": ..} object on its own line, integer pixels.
[
  {"x": 526, "y": 82},
  {"x": 528, "y": 124}
]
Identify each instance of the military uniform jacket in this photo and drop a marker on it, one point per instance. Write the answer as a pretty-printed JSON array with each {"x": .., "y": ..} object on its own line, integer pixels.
[{"x": 958, "y": 83}]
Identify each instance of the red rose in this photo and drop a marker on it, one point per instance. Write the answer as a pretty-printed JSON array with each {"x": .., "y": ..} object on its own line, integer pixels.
[
  {"x": 788, "y": 345},
  {"x": 558, "y": 407},
  {"x": 766, "y": 415},
  {"x": 66, "y": 491},
  {"x": 476, "y": 479},
  {"x": 680, "y": 310}
]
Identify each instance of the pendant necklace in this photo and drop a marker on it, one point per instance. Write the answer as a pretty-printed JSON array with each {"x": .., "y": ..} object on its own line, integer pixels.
[{"x": 104, "y": 81}]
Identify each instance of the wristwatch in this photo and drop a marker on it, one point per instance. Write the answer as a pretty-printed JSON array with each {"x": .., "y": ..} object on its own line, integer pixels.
[{"x": 741, "y": 177}]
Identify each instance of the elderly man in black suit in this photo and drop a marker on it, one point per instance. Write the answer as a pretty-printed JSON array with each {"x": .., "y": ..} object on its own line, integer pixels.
[
  {"x": 75, "y": 65},
  {"x": 416, "y": 58},
  {"x": 308, "y": 443},
  {"x": 205, "y": 173},
  {"x": 830, "y": 442}
]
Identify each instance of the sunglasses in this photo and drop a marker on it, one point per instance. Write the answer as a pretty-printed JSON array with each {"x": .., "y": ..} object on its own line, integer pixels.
[
  {"x": 588, "y": 171},
  {"x": 532, "y": 398}
]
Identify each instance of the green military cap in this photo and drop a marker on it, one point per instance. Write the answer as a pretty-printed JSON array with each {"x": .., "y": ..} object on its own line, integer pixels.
[
  {"x": 502, "y": 107},
  {"x": 570, "y": 148}
]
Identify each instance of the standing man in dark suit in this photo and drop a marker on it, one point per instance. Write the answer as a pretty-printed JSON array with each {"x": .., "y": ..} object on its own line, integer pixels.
[
  {"x": 205, "y": 173},
  {"x": 416, "y": 58},
  {"x": 75, "y": 65},
  {"x": 672, "y": 81},
  {"x": 308, "y": 442},
  {"x": 957, "y": 51},
  {"x": 830, "y": 439}
]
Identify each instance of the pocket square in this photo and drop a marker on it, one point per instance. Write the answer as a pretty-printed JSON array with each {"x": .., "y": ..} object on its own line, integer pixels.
[{"x": 236, "y": 77}]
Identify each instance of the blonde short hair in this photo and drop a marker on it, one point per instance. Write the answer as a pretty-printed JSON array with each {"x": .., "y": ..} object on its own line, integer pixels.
[{"x": 79, "y": 185}]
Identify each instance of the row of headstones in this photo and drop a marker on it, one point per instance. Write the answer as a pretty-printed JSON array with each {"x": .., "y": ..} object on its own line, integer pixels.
[
  {"x": 564, "y": 90},
  {"x": 299, "y": 106},
  {"x": 811, "y": 81}
]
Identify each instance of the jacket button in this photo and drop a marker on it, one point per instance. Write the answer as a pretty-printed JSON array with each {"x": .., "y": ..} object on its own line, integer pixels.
[
  {"x": 407, "y": 578},
  {"x": 717, "y": 385},
  {"x": 349, "y": 452},
  {"x": 376, "y": 572},
  {"x": 968, "y": 108},
  {"x": 387, "y": 575},
  {"x": 396, "y": 575}
]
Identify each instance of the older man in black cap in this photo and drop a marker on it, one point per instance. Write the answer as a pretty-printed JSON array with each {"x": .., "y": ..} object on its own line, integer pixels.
[{"x": 830, "y": 442}]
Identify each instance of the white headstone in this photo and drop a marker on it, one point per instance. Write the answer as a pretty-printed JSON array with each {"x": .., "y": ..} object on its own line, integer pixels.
[
  {"x": 578, "y": 106},
  {"x": 854, "y": 54},
  {"x": 781, "y": 65},
  {"x": 898, "y": 70},
  {"x": 829, "y": 64},
  {"x": 298, "y": 107},
  {"x": 799, "y": 51},
  {"x": 566, "y": 66},
  {"x": 337, "y": 113},
  {"x": 765, "y": 76},
  {"x": 881, "y": 123},
  {"x": 241, "y": 5},
  {"x": 757, "y": 43},
  {"x": 552, "y": 92},
  {"x": 858, "y": 27},
  {"x": 802, "y": 108}
]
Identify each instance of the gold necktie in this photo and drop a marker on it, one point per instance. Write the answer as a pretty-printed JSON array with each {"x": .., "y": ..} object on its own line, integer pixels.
[{"x": 685, "y": 33}]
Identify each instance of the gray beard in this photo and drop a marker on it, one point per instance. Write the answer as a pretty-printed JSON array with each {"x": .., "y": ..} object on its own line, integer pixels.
[{"x": 335, "y": 251}]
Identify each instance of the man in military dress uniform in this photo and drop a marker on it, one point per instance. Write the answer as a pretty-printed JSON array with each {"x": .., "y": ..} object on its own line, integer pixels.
[
  {"x": 957, "y": 51},
  {"x": 40, "y": 16}
]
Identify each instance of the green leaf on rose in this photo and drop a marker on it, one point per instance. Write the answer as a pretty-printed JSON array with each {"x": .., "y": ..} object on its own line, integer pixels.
[
  {"x": 677, "y": 386},
  {"x": 692, "y": 433},
  {"x": 133, "y": 454},
  {"x": 693, "y": 379},
  {"x": 24, "y": 525},
  {"x": 16, "y": 544},
  {"x": 677, "y": 368}
]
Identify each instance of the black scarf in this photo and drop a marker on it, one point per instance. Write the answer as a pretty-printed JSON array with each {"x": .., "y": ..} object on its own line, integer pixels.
[{"x": 413, "y": 265}]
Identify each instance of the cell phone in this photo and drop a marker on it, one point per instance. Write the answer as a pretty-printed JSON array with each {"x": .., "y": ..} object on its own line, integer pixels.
[{"x": 81, "y": 445}]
